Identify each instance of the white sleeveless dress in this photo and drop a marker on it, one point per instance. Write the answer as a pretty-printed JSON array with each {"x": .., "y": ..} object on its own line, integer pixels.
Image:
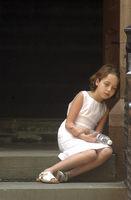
[{"x": 89, "y": 115}]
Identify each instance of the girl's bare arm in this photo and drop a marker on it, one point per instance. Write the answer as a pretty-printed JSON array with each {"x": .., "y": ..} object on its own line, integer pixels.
[
  {"x": 89, "y": 137},
  {"x": 74, "y": 110},
  {"x": 102, "y": 122}
]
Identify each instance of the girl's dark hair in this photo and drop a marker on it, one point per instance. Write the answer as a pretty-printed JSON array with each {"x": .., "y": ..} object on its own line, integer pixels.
[{"x": 102, "y": 73}]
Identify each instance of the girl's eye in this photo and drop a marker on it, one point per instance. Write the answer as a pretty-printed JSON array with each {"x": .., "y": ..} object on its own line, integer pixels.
[
  {"x": 106, "y": 84},
  {"x": 114, "y": 88}
]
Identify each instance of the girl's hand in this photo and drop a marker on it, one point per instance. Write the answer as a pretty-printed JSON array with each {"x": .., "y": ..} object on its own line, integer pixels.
[
  {"x": 89, "y": 137},
  {"x": 77, "y": 130}
]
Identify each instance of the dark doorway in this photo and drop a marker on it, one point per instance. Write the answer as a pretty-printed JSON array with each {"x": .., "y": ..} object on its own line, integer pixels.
[{"x": 49, "y": 50}]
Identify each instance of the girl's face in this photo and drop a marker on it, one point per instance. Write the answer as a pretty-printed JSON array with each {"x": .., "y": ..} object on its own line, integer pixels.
[{"x": 107, "y": 87}]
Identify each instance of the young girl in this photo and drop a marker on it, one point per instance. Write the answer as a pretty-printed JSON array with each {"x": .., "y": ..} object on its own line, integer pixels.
[{"x": 80, "y": 152}]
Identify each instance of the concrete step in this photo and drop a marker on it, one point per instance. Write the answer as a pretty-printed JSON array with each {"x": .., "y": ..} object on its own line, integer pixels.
[
  {"x": 15, "y": 130},
  {"x": 64, "y": 191},
  {"x": 23, "y": 162}
]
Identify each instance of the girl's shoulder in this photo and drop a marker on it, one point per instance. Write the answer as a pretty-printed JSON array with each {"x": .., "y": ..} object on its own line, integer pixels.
[
  {"x": 87, "y": 96},
  {"x": 85, "y": 93},
  {"x": 82, "y": 94}
]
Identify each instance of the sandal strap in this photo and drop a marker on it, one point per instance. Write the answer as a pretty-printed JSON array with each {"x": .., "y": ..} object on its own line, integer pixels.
[
  {"x": 48, "y": 174},
  {"x": 64, "y": 177}
]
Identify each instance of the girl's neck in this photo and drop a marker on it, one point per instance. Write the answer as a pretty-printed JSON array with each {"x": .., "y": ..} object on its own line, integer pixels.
[{"x": 95, "y": 96}]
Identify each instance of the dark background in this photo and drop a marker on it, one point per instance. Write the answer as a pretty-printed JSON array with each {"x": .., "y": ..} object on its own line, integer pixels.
[{"x": 49, "y": 49}]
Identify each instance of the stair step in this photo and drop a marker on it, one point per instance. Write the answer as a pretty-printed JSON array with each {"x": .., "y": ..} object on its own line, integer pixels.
[
  {"x": 64, "y": 191},
  {"x": 25, "y": 162},
  {"x": 29, "y": 130}
]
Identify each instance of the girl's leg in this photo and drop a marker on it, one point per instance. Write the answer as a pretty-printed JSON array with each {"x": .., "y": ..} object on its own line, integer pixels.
[
  {"x": 102, "y": 156},
  {"x": 73, "y": 161}
]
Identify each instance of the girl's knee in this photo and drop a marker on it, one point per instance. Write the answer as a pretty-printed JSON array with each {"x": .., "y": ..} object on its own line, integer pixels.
[
  {"x": 108, "y": 151},
  {"x": 94, "y": 154},
  {"x": 91, "y": 154}
]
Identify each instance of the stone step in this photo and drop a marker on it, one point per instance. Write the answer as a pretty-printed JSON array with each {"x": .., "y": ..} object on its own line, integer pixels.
[
  {"x": 15, "y": 130},
  {"x": 24, "y": 162},
  {"x": 64, "y": 191}
]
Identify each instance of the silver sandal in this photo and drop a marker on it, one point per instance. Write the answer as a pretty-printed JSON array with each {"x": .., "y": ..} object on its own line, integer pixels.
[
  {"x": 47, "y": 178},
  {"x": 61, "y": 177}
]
